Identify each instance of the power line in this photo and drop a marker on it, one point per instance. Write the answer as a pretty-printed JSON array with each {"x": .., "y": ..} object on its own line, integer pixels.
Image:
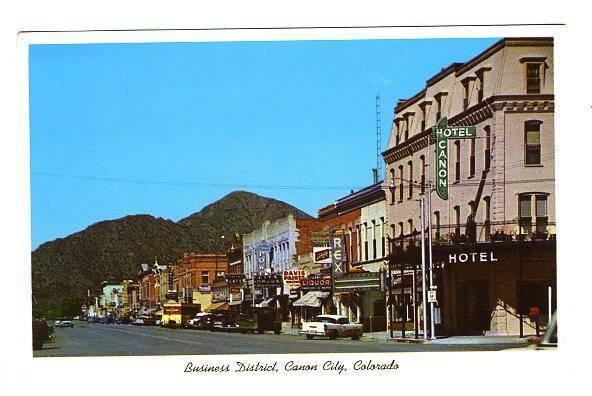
[{"x": 196, "y": 184}]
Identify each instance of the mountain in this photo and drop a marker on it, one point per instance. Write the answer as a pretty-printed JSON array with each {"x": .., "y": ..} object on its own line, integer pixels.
[{"x": 64, "y": 269}]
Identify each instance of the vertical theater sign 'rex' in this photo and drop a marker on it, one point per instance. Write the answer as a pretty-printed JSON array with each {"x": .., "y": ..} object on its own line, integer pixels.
[{"x": 442, "y": 132}]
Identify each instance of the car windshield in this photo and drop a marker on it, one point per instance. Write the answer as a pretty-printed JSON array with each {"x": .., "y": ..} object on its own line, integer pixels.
[{"x": 324, "y": 319}]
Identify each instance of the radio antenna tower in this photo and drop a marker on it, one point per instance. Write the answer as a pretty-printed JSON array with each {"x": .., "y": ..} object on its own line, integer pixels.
[{"x": 378, "y": 141}]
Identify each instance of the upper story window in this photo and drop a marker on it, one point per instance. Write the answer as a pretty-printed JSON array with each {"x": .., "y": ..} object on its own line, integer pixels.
[
  {"x": 457, "y": 220},
  {"x": 533, "y": 78},
  {"x": 402, "y": 177},
  {"x": 472, "y": 157},
  {"x": 457, "y": 164},
  {"x": 480, "y": 88},
  {"x": 410, "y": 165},
  {"x": 205, "y": 277},
  {"x": 532, "y": 142},
  {"x": 487, "y": 154},
  {"x": 392, "y": 186},
  {"x": 440, "y": 98},
  {"x": 466, "y": 92},
  {"x": 422, "y": 162},
  {"x": 437, "y": 223}
]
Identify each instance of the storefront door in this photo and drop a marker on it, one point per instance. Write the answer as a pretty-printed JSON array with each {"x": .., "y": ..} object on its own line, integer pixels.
[{"x": 472, "y": 306}]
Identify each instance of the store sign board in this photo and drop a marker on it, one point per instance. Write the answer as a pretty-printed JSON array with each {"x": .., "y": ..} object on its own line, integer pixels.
[
  {"x": 432, "y": 296},
  {"x": 267, "y": 280},
  {"x": 293, "y": 277},
  {"x": 204, "y": 288},
  {"x": 338, "y": 250},
  {"x": 322, "y": 255},
  {"x": 471, "y": 257},
  {"x": 315, "y": 284},
  {"x": 442, "y": 132},
  {"x": 234, "y": 279}
]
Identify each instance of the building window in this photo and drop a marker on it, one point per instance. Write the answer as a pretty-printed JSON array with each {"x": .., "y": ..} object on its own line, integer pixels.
[
  {"x": 457, "y": 165},
  {"x": 397, "y": 131},
  {"x": 366, "y": 241},
  {"x": 481, "y": 79},
  {"x": 205, "y": 277},
  {"x": 359, "y": 243},
  {"x": 411, "y": 229},
  {"x": 406, "y": 128},
  {"x": 533, "y": 78},
  {"x": 382, "y": 238},
  {"x": 402, "y": 176},
  {"x": 438, "y": 107},
  {"x": 392, "y": 186},
  {"x": 219, "y": 275},
  {"x": 532, "y": 139},
  {"x": 423, "y": 118},
  {"x": 471, "y": 157},
  {"x": 525, "y": 222},
  {"x": 374, "y": 250},
  {"x": 423, "y": 176},
  {"x": 465, "y": 94},
  {"x": 437, "y": 223},
  {"x": 457, "y": 220},
  {"x": 487, "y": 154},
  {"x": 487, "y": 221},
  {"x": 542, "y": 218},
  {"x": 410, "y": 164}
]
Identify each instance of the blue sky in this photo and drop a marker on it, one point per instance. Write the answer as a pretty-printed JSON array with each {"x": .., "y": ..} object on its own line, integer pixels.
[{"x": 166, "y": 128}]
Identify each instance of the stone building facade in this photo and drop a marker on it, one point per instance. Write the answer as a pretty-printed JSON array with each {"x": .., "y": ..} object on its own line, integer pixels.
[{"x": 501, "y": 184}]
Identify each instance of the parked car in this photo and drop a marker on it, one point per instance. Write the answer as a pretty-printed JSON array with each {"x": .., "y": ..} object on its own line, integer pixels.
[
  {"x": 64, "y": 323},
  {"x": 202, "y": 321},
  {"x": 331, "y": 326},
  {"x": 92, "y": 319},
  {"x": 105, "y": 320}
]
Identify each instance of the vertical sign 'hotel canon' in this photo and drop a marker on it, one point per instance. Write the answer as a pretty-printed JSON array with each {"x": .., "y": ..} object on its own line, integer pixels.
[{"x": 442, "y": 132}]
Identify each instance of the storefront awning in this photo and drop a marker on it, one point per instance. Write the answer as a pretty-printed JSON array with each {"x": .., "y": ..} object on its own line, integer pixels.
[
  {"x": 264, "y": 303},
  {"x": 217, "y": 306},
  {"x": 311, "y": 299}
]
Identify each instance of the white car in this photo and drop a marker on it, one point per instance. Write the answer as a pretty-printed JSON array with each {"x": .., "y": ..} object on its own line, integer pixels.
[
  {"x": 332, "y": 326},
  {"x": 64, "y": 323}
]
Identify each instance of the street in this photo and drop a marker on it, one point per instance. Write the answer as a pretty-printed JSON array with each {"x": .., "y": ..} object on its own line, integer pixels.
[{"x": 87, "y": 339}]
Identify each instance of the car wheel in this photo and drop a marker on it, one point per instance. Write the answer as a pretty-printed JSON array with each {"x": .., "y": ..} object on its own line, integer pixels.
[
  {"x": 356, "y": 337},
  {"x": 260, "y": 331},
  {"x": 277, "y": 331},
  {"x": 333, "y": 335},
  {"x": 309, "y": 337}
]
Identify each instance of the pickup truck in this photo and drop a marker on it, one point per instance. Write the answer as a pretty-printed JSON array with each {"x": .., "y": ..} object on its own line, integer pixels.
[{"x": 331, "y": 326}]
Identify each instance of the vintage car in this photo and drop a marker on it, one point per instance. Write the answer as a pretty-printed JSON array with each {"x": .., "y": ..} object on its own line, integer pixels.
[
  {"x": 331, "y": 326},
  {"x": 202, "y": 321},
  {"x": 63, "y": 323}
]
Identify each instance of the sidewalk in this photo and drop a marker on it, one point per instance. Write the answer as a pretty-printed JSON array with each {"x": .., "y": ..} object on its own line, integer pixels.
[{"x": 410, "y": 337}]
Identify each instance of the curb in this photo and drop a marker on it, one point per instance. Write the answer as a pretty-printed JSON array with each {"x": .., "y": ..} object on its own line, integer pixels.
[{"x": 409, "y": 340}]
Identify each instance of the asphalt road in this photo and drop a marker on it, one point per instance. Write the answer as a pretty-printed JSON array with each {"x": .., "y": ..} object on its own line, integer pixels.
[{"x": 87, "y": 339}]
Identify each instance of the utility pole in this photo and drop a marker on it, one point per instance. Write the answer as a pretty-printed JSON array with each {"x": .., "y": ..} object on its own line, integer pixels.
[
  {"x": 390, "y": 297},
  {"x": 423, "y": 268},
  {"x": 431, "y": 266}
]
